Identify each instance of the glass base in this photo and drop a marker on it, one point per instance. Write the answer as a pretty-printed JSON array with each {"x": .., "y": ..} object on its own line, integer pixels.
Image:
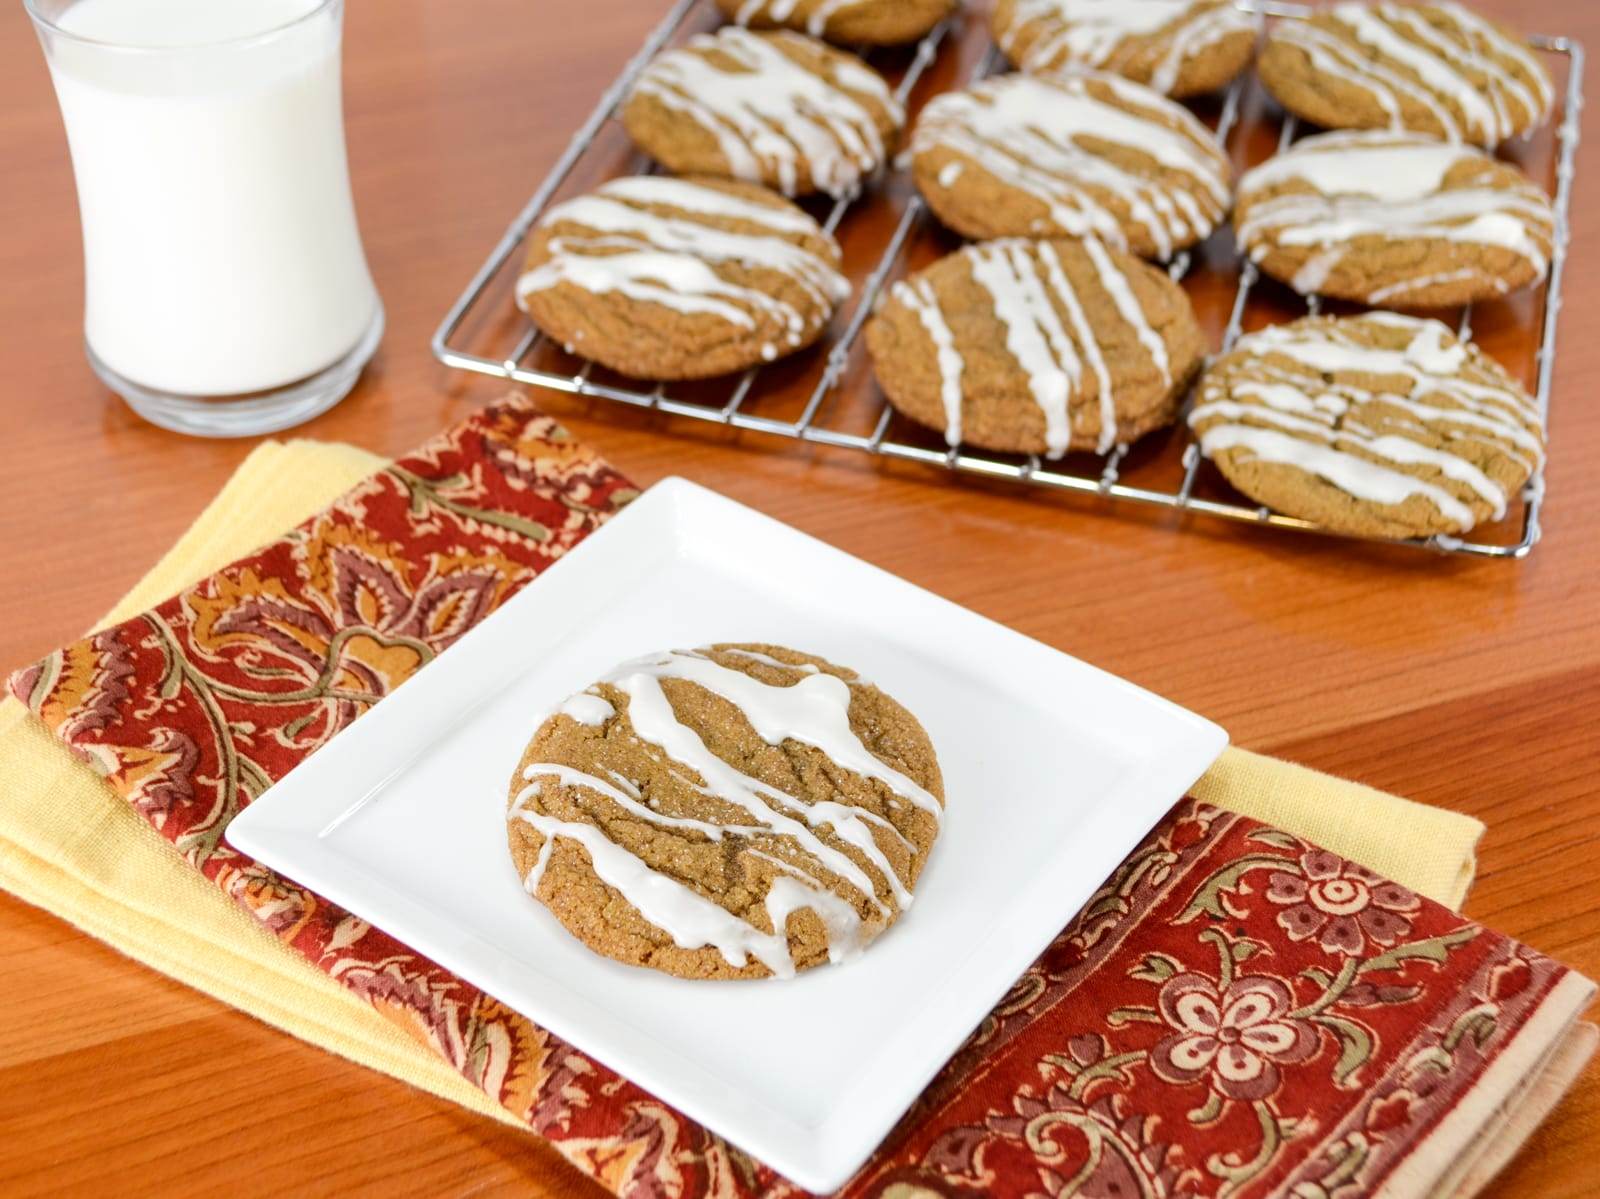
[{"x": 251, "y": 414}]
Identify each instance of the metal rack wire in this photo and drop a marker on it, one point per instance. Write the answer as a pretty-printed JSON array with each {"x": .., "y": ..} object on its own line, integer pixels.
[{"x": 1103, "y": 478}]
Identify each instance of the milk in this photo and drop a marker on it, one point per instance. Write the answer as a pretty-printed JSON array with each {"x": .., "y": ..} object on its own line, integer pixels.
[{"x": 220, "y": 244}]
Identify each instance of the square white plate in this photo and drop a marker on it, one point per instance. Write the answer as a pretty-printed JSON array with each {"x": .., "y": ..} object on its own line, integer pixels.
[{"x": 1053, "y": 771}]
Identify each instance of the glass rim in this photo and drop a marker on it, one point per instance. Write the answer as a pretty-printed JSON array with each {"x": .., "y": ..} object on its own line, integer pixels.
[{"x": 226, "y": 43}]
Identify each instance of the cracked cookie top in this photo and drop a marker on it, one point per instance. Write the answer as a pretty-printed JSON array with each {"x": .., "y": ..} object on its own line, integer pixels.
[
  {"x": 1380, "y": 424},
  {"x": 1177, "y": 47},
  {"x": 1036, "y": 347},
  {"x": 664, "y": 278},
  {"x": 1438, "y": 69},
  {"x": 776, "y": 108},
  {"x": 740, "y": 811},
  {"x": 848, "y": 22},
  {"x": 1395, "y": 218},
  {"x": 1068, "y": 155}
]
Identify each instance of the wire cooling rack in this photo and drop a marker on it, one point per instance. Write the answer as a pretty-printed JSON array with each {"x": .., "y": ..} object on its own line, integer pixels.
[{"x": 830, "y": 399}]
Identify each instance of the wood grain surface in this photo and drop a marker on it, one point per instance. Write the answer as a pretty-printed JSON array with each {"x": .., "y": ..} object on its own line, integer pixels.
[{"x": 1468, "y": 684}]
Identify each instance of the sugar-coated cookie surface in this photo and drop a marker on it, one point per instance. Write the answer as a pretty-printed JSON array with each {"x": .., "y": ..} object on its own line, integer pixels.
[
  {"x": 849, "y": 22},
  {"x": 1036, "y": 346},
  {"x": 1177, "y": 47},
  {"x": 1380, "y": 424},
  {"x": 776, "y": 108},
  {"x": 1394, "y": 218},
  {"x": 1439, "y": 69},
  {"x": 664, "y": 278},
  {"x": 741, "y": 811},
  {"x": 1067, "y": 155}
]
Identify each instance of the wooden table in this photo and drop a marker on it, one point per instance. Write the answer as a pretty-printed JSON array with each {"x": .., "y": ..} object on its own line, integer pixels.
[{"x": 1468, "y": 684}]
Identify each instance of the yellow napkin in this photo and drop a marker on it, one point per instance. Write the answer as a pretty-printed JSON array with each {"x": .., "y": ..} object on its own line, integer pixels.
[
  {"x": 1431, "y": 850},
  {"x": 71, "y": 846}
]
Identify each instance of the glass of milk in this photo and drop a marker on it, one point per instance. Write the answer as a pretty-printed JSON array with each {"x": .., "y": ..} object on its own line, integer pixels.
[{"x": 226, "y": 291}]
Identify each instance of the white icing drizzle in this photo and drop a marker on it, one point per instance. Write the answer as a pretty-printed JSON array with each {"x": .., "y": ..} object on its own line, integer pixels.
[
  {"x": 782, "y": 12},
  {"x": 706, "y": 242},
  {"x": 1437, "y": 75},
  {"x": 788, "y": 895},
  {"x": 627, "y": 800},
  {"x": 654, "y": 722},
  {"x": 1196, "y": 37},
  {"x": 817, "y": 22},
  {"x": 1097, "y": 33},
  {"x": 1482, "y": 35},
  {"x": 1310, "y": 418},
  {"x": 1034, "y": 335},
  {"x": 813, "y": 710},
  {"x": 1494, "y": 283},
  {"x": 773, "y": 10},
  {"x": 769, "y": 660},
  {"x": 1024, "y": 131},
  {"x": 1387, "y": 185},
  {"x": 1341, "y": 58},
  {"x": 1031, "y": 294},
  {"x": 1427, "y": 65},
  {"x": 672, "y": 280},
  {"x": 587, "y": 709},
  {"x": 1388, "y": 166},
  {"x": 671, "y": 259},
  {"x": 1128, "y": 306},
  {"x": 692, "y": 197},
  {"x": 1086, "y": 339},
  {"x": 770, "y": 112},
  {"x": 1356, "y": 475},
  {"x": 846, "y": 819},
  {"x": 917, "y": 295},
  {"x": 625, "y": 783},
  {"x": 690, "y": 919},
  {"x": 846, "y": 934}
]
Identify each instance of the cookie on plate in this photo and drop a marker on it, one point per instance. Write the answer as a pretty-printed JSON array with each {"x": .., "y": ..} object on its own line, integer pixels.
[
  {"x": 1177, "y": 47},
  {"x": 1036, "y": 346},
  {"x": 1394, "y": 218},
  {"x": 1380, "y": 424},
  {"x": 775, "y": 108},
  {"x": 850, "y": 22},
  {"x": 664, "y": 278},
  {"x": 1070, "y": 154},
  {"x": 740, "y": 811},
  {"x": 1438, "y": 69}
]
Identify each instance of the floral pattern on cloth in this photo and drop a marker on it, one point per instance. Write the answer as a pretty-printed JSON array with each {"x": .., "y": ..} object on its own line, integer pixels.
[{"x": 1235, "y": 1013}]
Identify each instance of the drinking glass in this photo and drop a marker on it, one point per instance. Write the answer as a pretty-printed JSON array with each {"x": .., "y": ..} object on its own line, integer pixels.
[{"x": 226, "y": 290}]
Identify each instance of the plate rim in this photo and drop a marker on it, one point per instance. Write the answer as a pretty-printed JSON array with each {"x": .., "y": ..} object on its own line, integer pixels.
[{"x": 815, "y": 1155}]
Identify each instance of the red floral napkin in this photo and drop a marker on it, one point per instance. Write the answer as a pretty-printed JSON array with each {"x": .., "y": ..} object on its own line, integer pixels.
[{"x": 1235, "y": 1013}]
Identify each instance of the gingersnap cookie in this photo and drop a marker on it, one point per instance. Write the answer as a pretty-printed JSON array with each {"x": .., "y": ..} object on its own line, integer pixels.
[
  {"x": 775, "y": 108},
  {"x": 1380, "y": 424},
  {"x": 733, "y": 812},
  {"x": 665, "y": 278},
  {"x": 1177, "y": 47},
  {"x": 1036, "y": 346},
  {"x": 1397, "y": 218},
  {"x": 850, "y": 22},
  {"x": 1067, "y": 155},
  {"x": 1437, "y": 68}
]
